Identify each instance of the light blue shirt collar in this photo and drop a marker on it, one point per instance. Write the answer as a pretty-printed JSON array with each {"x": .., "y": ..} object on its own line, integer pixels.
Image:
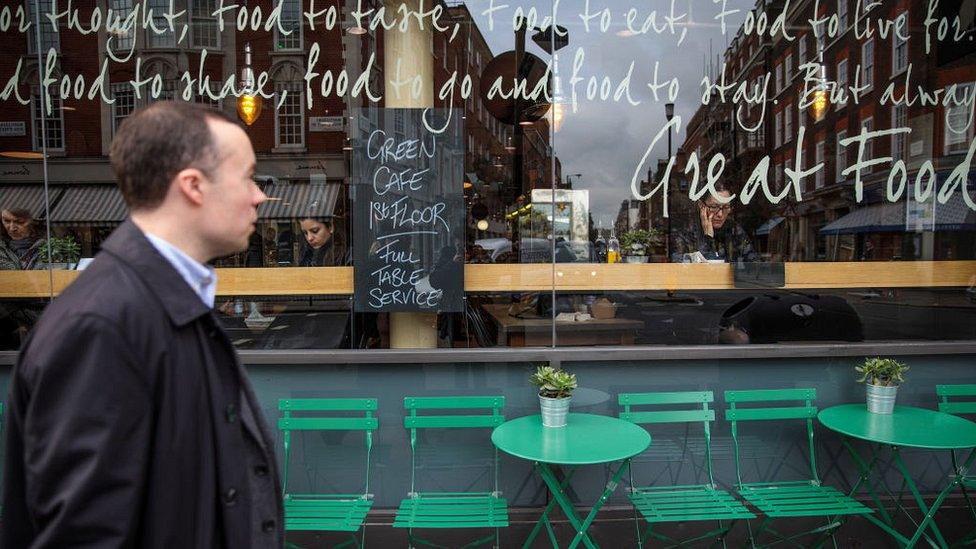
[{"x": 201, "y": 278}]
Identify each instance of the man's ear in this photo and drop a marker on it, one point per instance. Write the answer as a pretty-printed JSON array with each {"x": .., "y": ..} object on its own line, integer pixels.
[{"x": 189, "y": 183}]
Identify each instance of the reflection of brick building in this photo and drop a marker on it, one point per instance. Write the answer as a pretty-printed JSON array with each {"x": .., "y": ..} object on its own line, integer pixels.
[
  {"x": 295, "y": 144},
  {"x": 829, "y": 224},
  {"x": 491, "y": 144}
]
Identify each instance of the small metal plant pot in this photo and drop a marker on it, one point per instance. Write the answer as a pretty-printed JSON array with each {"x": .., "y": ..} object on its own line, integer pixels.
[
  {"x": 635, "y": 259},
  {"x": 881, "y": 399},
  {"x": 554, "y": 411}
]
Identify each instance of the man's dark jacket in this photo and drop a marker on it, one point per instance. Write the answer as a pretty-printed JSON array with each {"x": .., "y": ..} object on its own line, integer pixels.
[{"x": 124, "y": 426}]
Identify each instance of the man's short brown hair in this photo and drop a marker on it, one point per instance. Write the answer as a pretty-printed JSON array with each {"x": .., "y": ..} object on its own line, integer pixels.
[{"x": 158, "y": 141}]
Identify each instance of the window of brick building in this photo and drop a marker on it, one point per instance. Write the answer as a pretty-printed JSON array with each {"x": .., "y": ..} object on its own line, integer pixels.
[
  {"x": 50, "y": 37},
  {"x": 867, "y": 64},
  {"x": 204, "y": 31},
  {"x": 290, "y": 116},
  {"x": 48, "y": 127},
  {"x": 291, "y": 20}
]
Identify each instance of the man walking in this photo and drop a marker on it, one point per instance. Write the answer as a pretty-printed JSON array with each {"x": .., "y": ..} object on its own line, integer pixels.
[{"x": 131, "y": 422}]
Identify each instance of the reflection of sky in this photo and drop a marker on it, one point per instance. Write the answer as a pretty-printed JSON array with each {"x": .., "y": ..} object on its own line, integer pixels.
[{"x": 604, "y": 140}]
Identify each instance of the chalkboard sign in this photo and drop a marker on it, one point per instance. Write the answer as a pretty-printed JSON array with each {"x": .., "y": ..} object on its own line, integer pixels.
[{"x": 409, "y": 213}]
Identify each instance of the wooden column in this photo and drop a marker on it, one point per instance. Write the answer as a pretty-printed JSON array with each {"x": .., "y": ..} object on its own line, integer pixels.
[{"x": 407, "y": 58}]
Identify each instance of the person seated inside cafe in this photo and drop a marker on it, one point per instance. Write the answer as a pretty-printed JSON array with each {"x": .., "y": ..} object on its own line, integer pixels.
[
  {"x": 712, "y": 234},
  {"x": 20, "y": 240},
  {"x": 323, "y": 247}
]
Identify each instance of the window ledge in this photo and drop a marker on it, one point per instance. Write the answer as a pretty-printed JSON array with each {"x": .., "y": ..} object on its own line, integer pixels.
[
  {"x": 287, "y": 149},
  {"x": 593, "y": 354}
]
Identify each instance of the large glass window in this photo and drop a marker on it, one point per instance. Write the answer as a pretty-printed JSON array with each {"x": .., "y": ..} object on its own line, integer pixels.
[{"x": 643, "y": 186}]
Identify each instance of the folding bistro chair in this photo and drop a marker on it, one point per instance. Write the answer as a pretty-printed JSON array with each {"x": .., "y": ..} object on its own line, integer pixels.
[
  {"x": 452, "y": 510},
  {"x": 961, "y": 407},
  {"x": 785, "y": 499},
  {"x": 696, "y": 502},
  {"x": 328, "y": 512}
]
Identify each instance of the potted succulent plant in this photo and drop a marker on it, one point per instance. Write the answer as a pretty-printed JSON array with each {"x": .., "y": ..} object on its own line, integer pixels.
[
  {"x": 881, "y": 376},
  {"x": 64, "y": 251},
  {"x": 555, "y": 391},
  {"x": 636, "y": 245}
]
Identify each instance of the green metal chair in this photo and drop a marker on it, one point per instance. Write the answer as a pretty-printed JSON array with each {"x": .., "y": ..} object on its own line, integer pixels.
[
  {"x": 327, "y": 512},
  {"x": 786, "y": 499},
  {"x": 698, "y": 502},
  {"x": 451, "y": 509},
  {"x": 960, "y": 407}
]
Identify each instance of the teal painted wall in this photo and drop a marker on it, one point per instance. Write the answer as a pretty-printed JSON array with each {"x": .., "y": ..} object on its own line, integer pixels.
[{"x": 454, "y": 460}]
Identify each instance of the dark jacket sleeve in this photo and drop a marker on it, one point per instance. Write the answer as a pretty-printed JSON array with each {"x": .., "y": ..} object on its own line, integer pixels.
[{"x": 86, "y": 438}]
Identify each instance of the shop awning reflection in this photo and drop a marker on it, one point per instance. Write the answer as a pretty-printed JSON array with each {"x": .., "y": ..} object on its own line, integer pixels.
[
  {"x": 298, "y": 200},
  {"x": 90, "y": 206},
  {"x": 27, "y": 197},
  {"x": 768, "y": 226},
  {"x": 954, "y": 215}
]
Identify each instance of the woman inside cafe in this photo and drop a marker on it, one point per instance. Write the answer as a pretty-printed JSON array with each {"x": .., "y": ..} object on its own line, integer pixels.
[
  {"x": 20, "y": 250},
  {"x": 323, "y": 247},
  {"x": 712, "y": 234},
  {"x": 20, "y": 243}
]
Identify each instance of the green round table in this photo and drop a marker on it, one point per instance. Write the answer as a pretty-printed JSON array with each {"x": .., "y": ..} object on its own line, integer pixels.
[
  {"x": 586, "y": 439},
  {"x": 907, "y": 427}
]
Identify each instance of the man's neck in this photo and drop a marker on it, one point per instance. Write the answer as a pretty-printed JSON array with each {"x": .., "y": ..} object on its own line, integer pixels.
[{"x": 163, "y": 227}]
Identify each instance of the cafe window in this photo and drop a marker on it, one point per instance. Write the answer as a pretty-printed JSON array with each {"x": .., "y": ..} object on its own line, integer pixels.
[
  {"x": 959, "y": 123},
  {"x": 37, "y": 11},
  {"x": 48, "y": 127},
  {"x": 291, "y": 22},
  {"x": 544, "y": 190},
  {"x": 867, "y": 64},
  {"x": 899, "y": 44},
  {"x": 159, "y": 33},
  {"x": 203, "y": 23}
]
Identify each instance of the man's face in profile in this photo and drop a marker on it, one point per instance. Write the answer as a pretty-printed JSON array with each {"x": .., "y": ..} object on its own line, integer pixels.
[{"x": 231, "y": 196}]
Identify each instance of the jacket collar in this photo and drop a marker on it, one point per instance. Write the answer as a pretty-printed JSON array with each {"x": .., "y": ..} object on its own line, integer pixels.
[{"x": 130, "y": 246}]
